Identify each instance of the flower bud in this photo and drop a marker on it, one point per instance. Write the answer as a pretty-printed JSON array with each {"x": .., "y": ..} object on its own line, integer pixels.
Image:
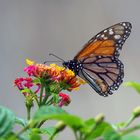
[
  {"x": 136, "y": 112},
  {"x": 60, "y": 126},
  {"x": 29, "y": 101},
  {"x": 99, "y": 118}
]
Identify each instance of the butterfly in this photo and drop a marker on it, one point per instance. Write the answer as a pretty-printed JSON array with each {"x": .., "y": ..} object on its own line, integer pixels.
[{"x": 98, "y": 64}]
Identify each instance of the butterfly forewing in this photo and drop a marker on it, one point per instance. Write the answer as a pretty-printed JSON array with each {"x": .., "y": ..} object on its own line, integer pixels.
[{"x": 108, "y": 42}]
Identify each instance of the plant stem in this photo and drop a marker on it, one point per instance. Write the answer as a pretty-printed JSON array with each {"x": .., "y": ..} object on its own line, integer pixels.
[
  {"x": 50, "y": 101},
  {"x": 129, "y": 121},
  {"x": 76, "y": 135},
  {"x": 36, "y": 100},
  {"x": 23, "y": 130},
  {"x": 41, "y": 93},
  {"x": 81, "y": 136},
  {"x": 129, "y": 130},
  {"x": 92, "y": 130},
  {"x": 28, "y": 113},
  {"x": 41, "y": 123},
  {"x": 46, "y": 95}
]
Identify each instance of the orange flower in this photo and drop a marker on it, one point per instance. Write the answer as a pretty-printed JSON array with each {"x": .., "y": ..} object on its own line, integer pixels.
[
  {"x": 55, "y": 73},
  {"x": 41, "y": 70}
]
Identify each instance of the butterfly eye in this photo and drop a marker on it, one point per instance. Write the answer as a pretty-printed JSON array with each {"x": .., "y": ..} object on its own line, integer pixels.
[{"x": 65, "y": 64}]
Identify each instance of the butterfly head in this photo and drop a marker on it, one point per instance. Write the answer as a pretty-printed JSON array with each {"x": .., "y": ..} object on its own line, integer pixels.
[
  {"x": 73, "y": 65},
  {"x": 69, "y": 64}
]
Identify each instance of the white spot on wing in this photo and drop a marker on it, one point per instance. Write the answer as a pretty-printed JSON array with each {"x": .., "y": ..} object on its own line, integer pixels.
[
  {"x": 97, "y": 35},
  {"x": 111, "y": 32},
  {"x": 117, "y": 37},
  {"x": 102, "y": 35},
  {"x": 105, "y": 38},
  {"x": 124, "y": 24}
]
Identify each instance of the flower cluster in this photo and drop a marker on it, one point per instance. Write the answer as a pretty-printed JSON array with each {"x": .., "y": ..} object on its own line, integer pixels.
[
  {"x": 55, "y": 73},
  {"x": 49, "y": 79}
]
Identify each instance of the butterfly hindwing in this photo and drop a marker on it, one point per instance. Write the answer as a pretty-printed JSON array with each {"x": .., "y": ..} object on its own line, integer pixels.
[{"x": 103, "y": 73}]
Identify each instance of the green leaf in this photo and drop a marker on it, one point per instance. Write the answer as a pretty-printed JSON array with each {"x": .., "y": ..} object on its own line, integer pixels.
[
  {"x": 20, "y": 121},
  {"x": 118, "y": 125},
  {"x": 7, "y": 120},
  {"x": 47, "y": 111},
  {"x": 111, "y": 134},
  {"x": 35, "y": 137},
  {"x": 13, "y": 136},
  {"x": 57, "y": 113},
  {"x": 130, "y": 137},
  {"x": 89, "y": 124},
  {"x": 25, "y": 90},
  {"x": 36, "y": 81},
  {"x": 55, "y": 98},
  {"x": 98, "y": 130},
  {"x": 49, "y": 130},
  {"x": 134, "y": 85}
]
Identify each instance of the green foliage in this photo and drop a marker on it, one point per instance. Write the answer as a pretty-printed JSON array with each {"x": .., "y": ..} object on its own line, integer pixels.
[
  {"x": 91, "y": 129},
  {"x": 7, "y": 120},
  {"x": 111, "y": 134},
  {"x": 99, "y": 130},
  {"x": 20, "y": 121},
  {"x": 35, "y": 136},
  {"x": 49, "y": 131},
  {"x": 57, "y": 113},
  {"x": 130, "y": 137},
  {"x": 45, "y": 112},
  {"x": 134, "y": 85}
]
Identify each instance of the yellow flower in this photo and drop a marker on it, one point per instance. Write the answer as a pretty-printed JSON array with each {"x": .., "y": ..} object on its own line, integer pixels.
[
  {"x": 81, "y": 81},
  {"x": 29, "y": 62},
  {"x": 70, "y": 73},
  {"x": 77, "y": 88},
  {"x": 57, "y": 67}
]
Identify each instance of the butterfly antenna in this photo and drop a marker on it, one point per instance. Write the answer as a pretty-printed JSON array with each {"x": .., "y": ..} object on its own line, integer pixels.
[
  {"x": 52, "y": 62},
  {"x": 56, "y": 56}
]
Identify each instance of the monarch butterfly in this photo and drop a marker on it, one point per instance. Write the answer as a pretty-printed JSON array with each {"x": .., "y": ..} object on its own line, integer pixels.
[{"x": 97, "y": 63}]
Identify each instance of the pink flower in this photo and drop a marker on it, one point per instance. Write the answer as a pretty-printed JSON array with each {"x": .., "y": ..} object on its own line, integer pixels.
[
  {"x": 64, "y": 99},
  {"x": 30, "y": 70},
  {"x": 18, "y": 83},
  {"x": 26, "y": 82}
]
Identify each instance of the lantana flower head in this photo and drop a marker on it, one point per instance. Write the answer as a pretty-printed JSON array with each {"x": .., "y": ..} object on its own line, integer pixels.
[
  {"x": 45, "y": 83},
  {"x": 55, "y": 73}
]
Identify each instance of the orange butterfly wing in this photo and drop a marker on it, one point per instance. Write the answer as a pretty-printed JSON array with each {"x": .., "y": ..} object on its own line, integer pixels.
[
  {"x": 101, "y": 67},
  {"x": 105, "y": 47},
  {"x": 106, "y": 43}
]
